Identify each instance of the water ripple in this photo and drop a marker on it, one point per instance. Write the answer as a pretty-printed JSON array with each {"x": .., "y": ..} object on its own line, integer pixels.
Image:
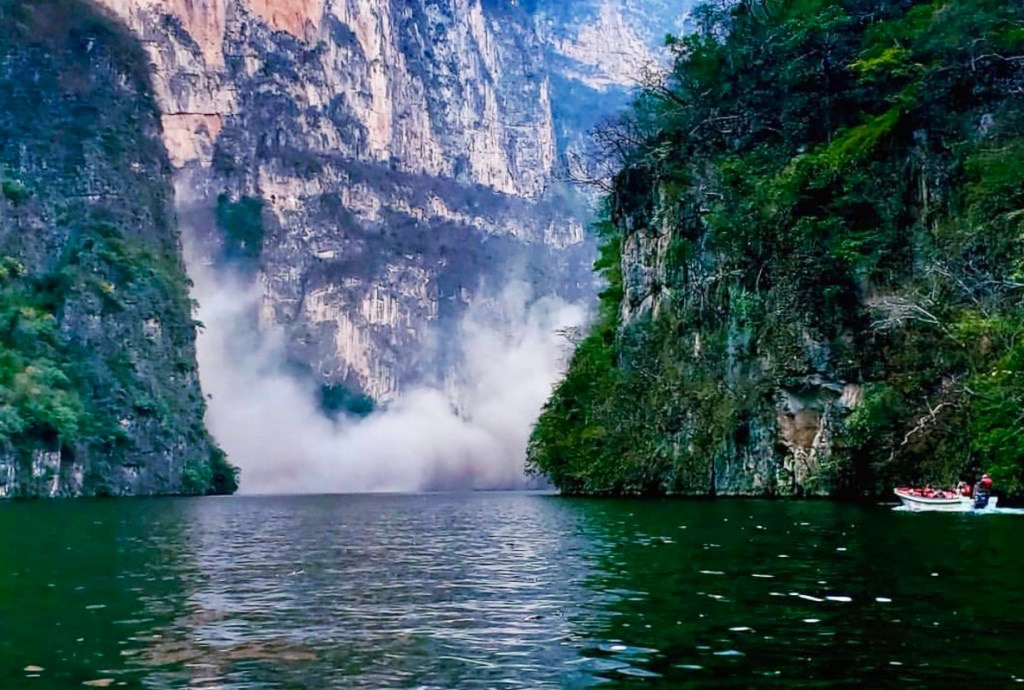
[{"x": 502, "y": 591}]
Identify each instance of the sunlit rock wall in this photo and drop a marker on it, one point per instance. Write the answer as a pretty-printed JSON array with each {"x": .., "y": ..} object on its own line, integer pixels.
[{"x": 406, "y": 154}]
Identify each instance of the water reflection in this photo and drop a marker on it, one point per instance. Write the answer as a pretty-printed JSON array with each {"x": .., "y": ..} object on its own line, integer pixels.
[
  {"x": 499, "y": 590},
  {"x": 81, "y": 586}
]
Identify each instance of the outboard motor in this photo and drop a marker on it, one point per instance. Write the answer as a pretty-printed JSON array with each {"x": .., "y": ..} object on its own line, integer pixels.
[{"x": 980, "y": 499}]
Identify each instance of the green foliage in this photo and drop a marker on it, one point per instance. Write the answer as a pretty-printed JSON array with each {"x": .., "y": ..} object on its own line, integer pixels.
[
  {"x": 859, "y": 142},
  {"x": 210, "y": 476},
  {"x": 242, "y": 224},
  {"x": 572, "y": 431},
  {"x": 14, "y": 191},
  {"x": 195, "y": 478},
  {"x": 996, "y": 401},
  {"x": 37, "y": 398},
  {"x": 845, "y": 199},
  {"x": 224, "y": 475},
  {"x": 891, "y": 62},
  {"x": 336, "y": 400}
]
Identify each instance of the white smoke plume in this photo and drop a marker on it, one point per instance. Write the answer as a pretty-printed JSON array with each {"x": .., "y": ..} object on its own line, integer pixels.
[{"x": 271, "y": 425}]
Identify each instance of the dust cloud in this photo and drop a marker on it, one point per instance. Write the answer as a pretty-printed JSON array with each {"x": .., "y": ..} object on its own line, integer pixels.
[{"x": 272, "y": 427}]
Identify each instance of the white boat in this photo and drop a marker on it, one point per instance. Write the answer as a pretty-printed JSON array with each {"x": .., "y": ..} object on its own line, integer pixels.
[{"x": 955, "y": 504}]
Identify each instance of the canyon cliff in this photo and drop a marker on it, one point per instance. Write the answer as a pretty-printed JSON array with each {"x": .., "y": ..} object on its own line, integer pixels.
[
  {"x": 99, "y": 390},
  {"x": 812, "y": 248},
  {"x": 375, "y": 166}
]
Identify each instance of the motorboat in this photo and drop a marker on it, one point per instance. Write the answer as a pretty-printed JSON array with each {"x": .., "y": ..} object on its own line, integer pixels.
[{"x": 941, "y": 501}]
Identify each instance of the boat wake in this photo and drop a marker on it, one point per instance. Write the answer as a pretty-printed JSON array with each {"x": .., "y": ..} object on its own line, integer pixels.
[{"x": 983, "y": 511}]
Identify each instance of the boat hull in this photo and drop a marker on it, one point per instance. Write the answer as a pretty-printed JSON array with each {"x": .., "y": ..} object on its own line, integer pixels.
[{"x": 961, "y": 504}]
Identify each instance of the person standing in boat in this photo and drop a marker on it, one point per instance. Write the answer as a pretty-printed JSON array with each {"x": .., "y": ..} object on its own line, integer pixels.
[{"x": 982, "y": 491}]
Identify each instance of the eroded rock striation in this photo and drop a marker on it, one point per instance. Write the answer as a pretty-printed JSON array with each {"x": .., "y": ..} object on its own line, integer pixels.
[
  {"x": 399, "y": 157},
  {"x": 372, "y": 166}
]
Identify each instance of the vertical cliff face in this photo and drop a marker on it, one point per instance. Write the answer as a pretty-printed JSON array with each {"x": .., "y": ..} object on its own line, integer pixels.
[
  {"x": 373, "y": 167},
  {"x": 775, "y": 403},
  {"x": 397, "y": 158},
  {"x": 99, "y": 391},
  {"x": 808, "y": 245}
]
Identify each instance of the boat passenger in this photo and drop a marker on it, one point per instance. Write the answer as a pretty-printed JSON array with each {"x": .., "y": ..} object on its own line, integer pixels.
[{"x": 982, "y": 492}]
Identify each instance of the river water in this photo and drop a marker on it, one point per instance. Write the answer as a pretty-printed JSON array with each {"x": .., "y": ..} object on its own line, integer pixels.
[{"x": 506, "y": 591}]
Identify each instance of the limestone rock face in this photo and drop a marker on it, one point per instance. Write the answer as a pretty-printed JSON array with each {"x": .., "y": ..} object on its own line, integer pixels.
[
  {"x": 787, "y": 431},
  {"x": 99, "y": 389},
  {"x": 404, "y": 152}
]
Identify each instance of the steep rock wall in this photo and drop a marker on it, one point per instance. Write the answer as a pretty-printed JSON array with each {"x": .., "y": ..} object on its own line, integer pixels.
[
  {"x": 807, "y": 253},
  {"x": 404, "y": 154},
  {"x": 99, "y": 390},
  {"x": 782, "y": 400}
]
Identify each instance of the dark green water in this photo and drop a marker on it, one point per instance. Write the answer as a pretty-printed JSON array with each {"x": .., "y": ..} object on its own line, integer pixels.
[{"x": 506, "y": 591}]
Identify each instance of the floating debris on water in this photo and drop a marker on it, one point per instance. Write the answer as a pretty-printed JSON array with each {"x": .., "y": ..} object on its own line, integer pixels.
[
  {"x": 840, "y": 599},
  {"x": 34, "y": 669}
]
